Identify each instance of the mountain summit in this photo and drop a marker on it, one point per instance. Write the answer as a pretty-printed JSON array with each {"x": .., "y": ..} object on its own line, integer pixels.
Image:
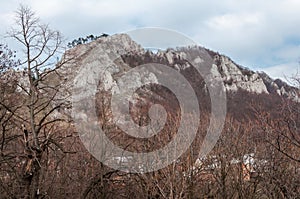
[{"x": 118, "y": 53}]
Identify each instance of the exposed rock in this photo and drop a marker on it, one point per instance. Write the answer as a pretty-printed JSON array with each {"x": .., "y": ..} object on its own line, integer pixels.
[
  {"x": 114, "y": 55},
  {"x": 279, "y": 87},
  {"x": 235, "y": 78}
]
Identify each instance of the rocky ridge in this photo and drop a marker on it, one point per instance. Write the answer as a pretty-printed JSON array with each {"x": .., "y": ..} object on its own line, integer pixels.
[{"x": 118, "y": 53}]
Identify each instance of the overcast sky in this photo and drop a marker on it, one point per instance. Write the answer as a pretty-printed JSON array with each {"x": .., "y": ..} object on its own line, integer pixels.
[{"x": 258, "y": 34}]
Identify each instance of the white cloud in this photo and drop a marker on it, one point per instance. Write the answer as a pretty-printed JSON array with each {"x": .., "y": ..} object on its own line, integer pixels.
[
  {"x": 234, "y": 21},
  {"x": 254, "y": 33},
  {"x": 283, "y": 71}
]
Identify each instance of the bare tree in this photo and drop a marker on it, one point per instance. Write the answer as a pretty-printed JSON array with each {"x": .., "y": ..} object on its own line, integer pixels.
[
  {"x": 37, "y": 116},
  {"x": 283, "y": 131}
]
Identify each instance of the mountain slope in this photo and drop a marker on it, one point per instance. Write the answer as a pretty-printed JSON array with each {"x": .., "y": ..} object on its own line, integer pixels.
[{"x": 106, "y": 53}]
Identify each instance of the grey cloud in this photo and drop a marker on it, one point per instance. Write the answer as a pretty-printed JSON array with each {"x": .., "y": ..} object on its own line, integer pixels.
[{"x": 254, "y": 33}]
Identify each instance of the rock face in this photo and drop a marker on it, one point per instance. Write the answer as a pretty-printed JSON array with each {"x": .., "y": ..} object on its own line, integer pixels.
[
  {"x": 101, "y": 53},
  {"x": 279, "y": 87},
  {"x": 116, "y": 54},
  {"x": 235, "y": 77}
]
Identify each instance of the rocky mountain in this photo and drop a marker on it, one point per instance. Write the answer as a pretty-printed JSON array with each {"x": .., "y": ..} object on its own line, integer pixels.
[
  {"x": 116, "y": 54},
  {"x": 99, "y": 72},
  {"x": 109, "y": 58}
]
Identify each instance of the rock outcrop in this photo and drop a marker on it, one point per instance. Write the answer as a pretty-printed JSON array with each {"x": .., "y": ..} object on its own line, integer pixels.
[{"x": 116, "y": 54}]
